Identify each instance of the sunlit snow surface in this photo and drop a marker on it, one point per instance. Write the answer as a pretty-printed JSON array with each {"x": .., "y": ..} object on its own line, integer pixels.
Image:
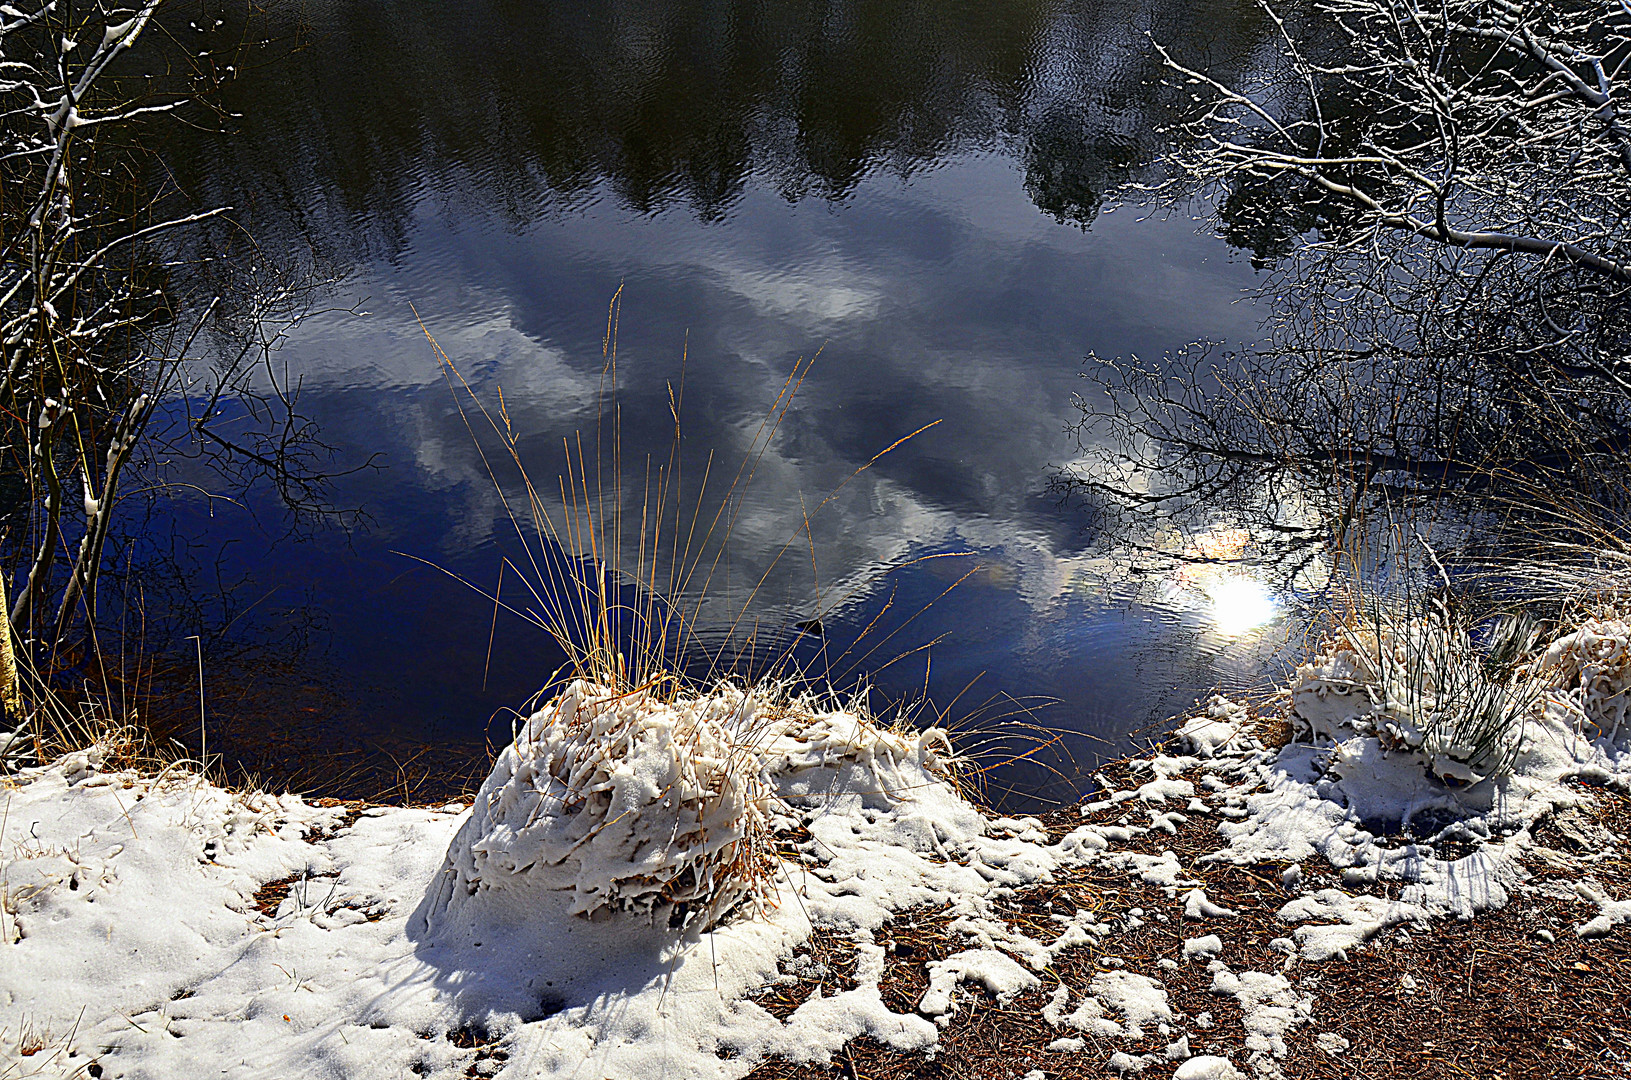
[{"x": 131, "y": 935}]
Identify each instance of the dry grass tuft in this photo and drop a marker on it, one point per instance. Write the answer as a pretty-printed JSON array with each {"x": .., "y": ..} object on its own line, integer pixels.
[{"x": 618, "y": 579}]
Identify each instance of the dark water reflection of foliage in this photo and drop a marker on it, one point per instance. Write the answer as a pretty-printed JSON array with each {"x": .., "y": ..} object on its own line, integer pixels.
[{"x": 519, "y": 109}]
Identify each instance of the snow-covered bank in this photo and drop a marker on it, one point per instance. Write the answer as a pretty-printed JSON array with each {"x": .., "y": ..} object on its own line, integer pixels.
[{"x": 633, "y": 871}]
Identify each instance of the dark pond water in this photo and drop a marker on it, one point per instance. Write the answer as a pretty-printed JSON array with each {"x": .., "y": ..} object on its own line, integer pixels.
[{"x": 915, "y": 191}]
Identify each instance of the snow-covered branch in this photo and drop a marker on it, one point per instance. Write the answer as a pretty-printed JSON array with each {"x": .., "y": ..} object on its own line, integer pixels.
[
  {"x": 1480, "y": 124},
  {"x": 79, "y": 290}
]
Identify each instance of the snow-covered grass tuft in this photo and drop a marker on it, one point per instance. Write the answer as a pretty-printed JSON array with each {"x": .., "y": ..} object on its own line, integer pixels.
[
  {"x": 661, "y": 805},
  {"x": 1591, "y": 665},
  {"x": 631, "y": 803},
  {"x": 1464, "y": 703},
  {"x": 647, "y": 780},
  {"x": 1423, "y": 684}
]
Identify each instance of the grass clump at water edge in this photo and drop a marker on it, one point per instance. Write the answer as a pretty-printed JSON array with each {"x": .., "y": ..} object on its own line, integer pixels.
[{"x": 646, "y": 777}]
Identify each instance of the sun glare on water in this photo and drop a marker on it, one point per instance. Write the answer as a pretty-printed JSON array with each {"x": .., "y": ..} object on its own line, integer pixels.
[
  {"x": 1240, "y": 604},
  {"x": 1215, "y": 583}
]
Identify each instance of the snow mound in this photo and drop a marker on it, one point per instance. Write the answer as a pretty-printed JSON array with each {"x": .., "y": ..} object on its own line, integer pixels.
[
  {"x": 634, "y": 803},
  {"x": 1213, "y": 731},
  {"x": 1591, "y": 668},
  {"x": 1206, "y": 947},
  {"x": 627, "y": 802},
  {"x": 1207, "y": 1067}
]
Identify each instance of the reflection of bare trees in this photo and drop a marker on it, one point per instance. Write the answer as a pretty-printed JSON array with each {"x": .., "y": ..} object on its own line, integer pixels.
[
  {"x": 1400, "y": 398},
  {"x": 1441, "y": 195},
  {"x": 241, "y": 424}
]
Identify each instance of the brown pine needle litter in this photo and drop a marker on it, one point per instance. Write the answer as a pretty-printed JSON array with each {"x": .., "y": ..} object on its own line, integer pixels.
[{"x": 1490, "y": 997}]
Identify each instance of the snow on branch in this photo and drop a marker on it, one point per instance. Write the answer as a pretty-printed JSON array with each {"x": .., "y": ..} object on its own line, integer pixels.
[
  {"x": 79, "y": 289},
  {"x": 1477, "y": 124}
]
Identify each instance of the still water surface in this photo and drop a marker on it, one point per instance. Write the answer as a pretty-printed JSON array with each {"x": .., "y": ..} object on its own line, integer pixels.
[{"x": 914, "y": 191}]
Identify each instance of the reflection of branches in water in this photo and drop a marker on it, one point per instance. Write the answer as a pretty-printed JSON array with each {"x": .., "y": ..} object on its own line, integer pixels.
[
  {"x": 1464, "y": 387},
  {"x": 243, "y": 420},
  {"x": 1173, "y": 445},
  {"x": 1440, "y": 191},
  {"x": 162, "y": 585}
]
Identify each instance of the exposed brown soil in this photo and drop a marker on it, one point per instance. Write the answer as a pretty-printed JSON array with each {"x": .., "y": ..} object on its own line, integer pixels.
[
  {"x": 826, "y": 963},
  {"x": 271, "y": 895}
]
